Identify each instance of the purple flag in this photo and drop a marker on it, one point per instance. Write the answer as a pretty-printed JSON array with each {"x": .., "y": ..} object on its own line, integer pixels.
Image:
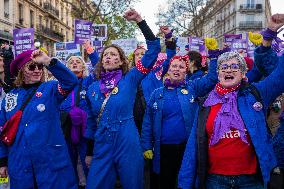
[
  {"x": 23, "y": 39},
  {"x": 82, "y": 31}
]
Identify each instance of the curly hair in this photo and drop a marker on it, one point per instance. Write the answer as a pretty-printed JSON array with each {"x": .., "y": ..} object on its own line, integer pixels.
[
  {"x": 124, "y": 67},
  {"x": 229, "y": 56}
]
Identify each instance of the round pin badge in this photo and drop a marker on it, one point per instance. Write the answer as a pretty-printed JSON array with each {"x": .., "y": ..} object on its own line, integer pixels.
[
  {"x": 40, "y": 107},
  {"x": 115, "y": 90},
  {"x": 184, "y": 91}
]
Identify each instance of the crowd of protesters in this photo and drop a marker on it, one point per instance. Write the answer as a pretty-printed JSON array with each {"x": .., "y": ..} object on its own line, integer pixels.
[{"x": 181, "y": 122}]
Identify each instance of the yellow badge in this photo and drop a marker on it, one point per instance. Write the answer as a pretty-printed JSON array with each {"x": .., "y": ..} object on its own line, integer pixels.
[
  {"x": 184, "y": 91},
  {"x": 4, "y": 180},
  {"x": 114, "y": 90}
]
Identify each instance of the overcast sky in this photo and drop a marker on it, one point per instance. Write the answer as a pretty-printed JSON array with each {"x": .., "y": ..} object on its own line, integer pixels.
[{"x": 148, "y": 9}]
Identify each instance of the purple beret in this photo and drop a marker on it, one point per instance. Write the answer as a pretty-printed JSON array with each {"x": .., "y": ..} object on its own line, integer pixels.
[{"x": 20, "y": 61}]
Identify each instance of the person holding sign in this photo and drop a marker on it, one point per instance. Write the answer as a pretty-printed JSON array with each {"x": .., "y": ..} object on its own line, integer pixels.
[
  {"x": 32, "y": 149},
  {"x": 110, "y": 124}
]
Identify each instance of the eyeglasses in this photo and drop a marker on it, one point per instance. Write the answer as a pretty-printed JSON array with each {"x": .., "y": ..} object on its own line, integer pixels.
[
  {"x": 32, "y": 67},
  {"x": 233, "y": 67}
]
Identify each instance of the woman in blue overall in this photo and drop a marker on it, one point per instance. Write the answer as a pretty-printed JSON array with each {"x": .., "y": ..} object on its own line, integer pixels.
[
  {"x": 73, "y": 115},
  {"x": 169, "y": 116},
  {"x": 38, "y": 156},
  {"x": 226, "y": 147},
  {"x": 110, "y": 122}
]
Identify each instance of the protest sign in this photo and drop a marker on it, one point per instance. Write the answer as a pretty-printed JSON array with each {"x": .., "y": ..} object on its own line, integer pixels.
[
  {"x": 228, "y": 38},
  {"x": 23, "y": 40},
  {"x": 128, "y": 45},
  {"x": 182, "y": 44},
  {"x": 63, "y": 50},
  {"x": 82, "y": 31},
  {"x": 99, "y": 31}
]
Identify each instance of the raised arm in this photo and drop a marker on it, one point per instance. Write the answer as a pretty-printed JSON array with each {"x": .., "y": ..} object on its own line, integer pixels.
[
  {"x": 144, "y": 66},
  {"x": 67, "y": 80},
  {"x": 92, "y": 53}
]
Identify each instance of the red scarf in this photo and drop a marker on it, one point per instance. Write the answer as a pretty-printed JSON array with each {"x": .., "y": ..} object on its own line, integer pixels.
[{"x": 222, "y": 91}]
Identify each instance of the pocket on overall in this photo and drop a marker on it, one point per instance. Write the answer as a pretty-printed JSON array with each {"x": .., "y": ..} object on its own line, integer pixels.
[
  {"x": 79, "y": 120},
  {"x": 58, "y": 156}
]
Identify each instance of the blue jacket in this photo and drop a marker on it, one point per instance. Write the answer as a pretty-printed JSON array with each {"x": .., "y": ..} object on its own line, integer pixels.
[
  {"x": 39, "y": 145},
  {"x": 152, "y": 81},
  {"x": 151, "y": 128},
  {"x": 278, "y": 144},
  {"x": 197, "y": 74},
  {"x": 119, "y": 108},
  {"x": 269, "y": 89}
]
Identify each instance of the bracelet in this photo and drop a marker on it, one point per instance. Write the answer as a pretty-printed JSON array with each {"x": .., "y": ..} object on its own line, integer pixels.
[{"x": 90, "y": 50}]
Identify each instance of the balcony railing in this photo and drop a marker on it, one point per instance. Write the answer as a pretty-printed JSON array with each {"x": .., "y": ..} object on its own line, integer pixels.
[
  {"x": 250, "y": 24},
  {"x": 21, "y": 21},
  {"x": 251, "y": 7},
  {"x": 51, "y": 9},
  {"x": 50, "y": 33}
]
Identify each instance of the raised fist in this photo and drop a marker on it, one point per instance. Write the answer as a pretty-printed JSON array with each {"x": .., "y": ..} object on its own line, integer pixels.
[
  {"x": 38, "y": 56},
  {"x": 132, "y": 15},
  {"x": 165, "y": 29},
  {"x": 276, "y": 21}
]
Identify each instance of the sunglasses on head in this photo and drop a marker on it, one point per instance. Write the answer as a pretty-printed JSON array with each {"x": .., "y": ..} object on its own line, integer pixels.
[
  {"x": 233, "y": 67},
  {"x": 32, "y": 67}
]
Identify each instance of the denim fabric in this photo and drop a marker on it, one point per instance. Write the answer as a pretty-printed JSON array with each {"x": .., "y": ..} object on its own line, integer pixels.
[{"x": 214, "y": 181}]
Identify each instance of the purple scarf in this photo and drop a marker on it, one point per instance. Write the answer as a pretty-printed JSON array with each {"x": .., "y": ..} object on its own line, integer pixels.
[
  {"x": 109, "y": 80},
  {"x": 228, "y": 117},
  {"x": 168, "y": 83}
]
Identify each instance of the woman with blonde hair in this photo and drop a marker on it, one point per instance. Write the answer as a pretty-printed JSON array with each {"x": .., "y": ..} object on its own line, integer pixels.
[
  {"x": 74, "y": 117},
  {"x": 32, "y": 147}
]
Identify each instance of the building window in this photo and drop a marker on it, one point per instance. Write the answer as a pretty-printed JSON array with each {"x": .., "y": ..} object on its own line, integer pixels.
[
  {"x": 21, "y": 14},
  {"x": 250, "y": 3},
  {"x": 31, "y": 18},
  {"x": 6, "y": 8},
  {"x": 67, "y": 39},
  {"x": 40, "y": 21},
  {"x": 62, "y": 13},
  {"x": 250, "y": 18}
]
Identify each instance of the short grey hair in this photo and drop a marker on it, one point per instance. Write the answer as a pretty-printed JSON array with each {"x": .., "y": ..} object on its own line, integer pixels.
[
  {"x": 230, "y": 55},
  {"x": 85, "y": 67}
]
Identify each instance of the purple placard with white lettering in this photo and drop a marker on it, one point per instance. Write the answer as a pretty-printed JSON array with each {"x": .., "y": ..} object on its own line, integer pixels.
[
  {"x": 82, "y": 31},
  {"x": 23, "y": 39},
  {"x": 196, "y": 44},
  {"x": 240, "y": 45},
  {"x": 228, "y": 38}
]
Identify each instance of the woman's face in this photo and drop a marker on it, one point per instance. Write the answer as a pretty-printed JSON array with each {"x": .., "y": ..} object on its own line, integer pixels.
[
  {"x": 76, "y": 65},
  {"x": 138, "y": 55},
  {"x": 111, "y": 59},
  {"x": 230, "y": 74},
  {"x": 32, "y": 72},
  {"x": 177, "y": 70}
]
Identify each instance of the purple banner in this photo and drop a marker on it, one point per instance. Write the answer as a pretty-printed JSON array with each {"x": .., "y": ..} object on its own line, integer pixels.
[
  {"x": 82, "y": 31},
  {"x": 197, "y": 44},
  {"x": 23, "y": 39},
  {"x": 228, "y": 38}
]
